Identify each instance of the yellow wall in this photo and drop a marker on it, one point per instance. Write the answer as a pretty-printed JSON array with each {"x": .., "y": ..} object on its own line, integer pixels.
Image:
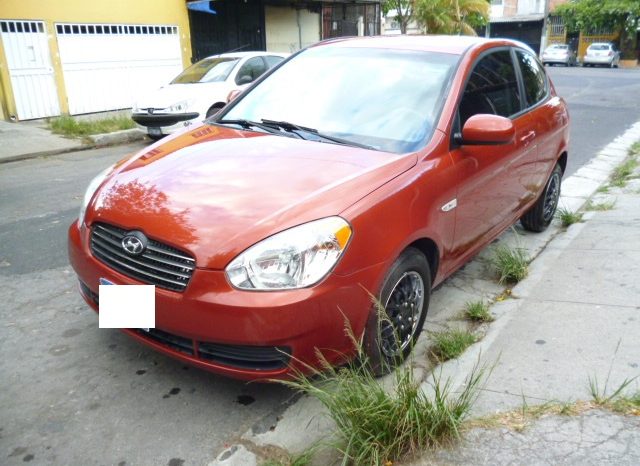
[
  {"x": 283, "y": 35},
  {"x": 89, "y": 11}
]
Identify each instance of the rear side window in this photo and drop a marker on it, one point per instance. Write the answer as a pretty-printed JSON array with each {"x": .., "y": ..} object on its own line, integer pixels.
[
  {"x": 492, "y": 88},
  {"x": 533, "y": 77},
  {"x": 254, "y": 67},
  {"x": 272, "y": 60}
]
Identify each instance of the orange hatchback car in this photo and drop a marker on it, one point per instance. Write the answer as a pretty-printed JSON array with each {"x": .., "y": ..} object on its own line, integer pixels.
[{"x": 357, "y": 167}]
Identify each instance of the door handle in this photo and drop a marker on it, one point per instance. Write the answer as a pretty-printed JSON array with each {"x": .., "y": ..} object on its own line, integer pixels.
[{"x": 527, "y": 138}]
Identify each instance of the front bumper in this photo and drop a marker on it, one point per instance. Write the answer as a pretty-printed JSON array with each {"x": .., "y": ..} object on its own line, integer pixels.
[
  {"x": 159, "y": 120},
  {"x": 242, "y": 334}
]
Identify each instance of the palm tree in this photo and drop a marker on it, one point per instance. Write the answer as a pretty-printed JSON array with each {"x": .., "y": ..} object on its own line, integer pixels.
[{"x": 451, "y": 16}]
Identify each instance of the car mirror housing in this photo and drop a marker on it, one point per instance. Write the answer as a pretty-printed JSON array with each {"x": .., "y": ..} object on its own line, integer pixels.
[
  {"x": 233, "y": 95},
  {"x": 485, "y": 129}
]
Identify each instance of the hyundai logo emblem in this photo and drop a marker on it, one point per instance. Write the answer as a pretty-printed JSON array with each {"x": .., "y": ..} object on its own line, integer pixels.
[{"x": 134, "y": 243}]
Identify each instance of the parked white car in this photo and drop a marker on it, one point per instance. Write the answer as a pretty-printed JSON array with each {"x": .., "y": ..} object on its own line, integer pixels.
[
  {"x": 602, "y": 53},
  {"x": 560, "y": 54},
  {"x": 200, "y": 91}
]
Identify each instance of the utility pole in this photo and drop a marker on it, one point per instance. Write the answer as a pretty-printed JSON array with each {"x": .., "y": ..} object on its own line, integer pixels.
[{"x": 545, "y": 20}]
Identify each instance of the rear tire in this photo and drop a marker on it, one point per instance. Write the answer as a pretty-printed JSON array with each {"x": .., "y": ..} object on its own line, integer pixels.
[
  {"x": 392, "y": 332},
  {"x": 540, "y": 215}
]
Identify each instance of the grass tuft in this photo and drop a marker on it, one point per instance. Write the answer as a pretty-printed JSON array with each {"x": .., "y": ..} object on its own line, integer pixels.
[
  {"x": 449, "y": 344},
  {"x": 568, "y": 217},
  {"x": 510, "y": 264},
  {"x": 601, "y": 206},
  {"x": 70, "y": 127},
  {"x": 635, "y": 149},
  {"x": 378, "y": 426},
  {"x": 621, "y": 173},
  {"x": 303, "y": 459},
  {"x": 477, "y": 311}
]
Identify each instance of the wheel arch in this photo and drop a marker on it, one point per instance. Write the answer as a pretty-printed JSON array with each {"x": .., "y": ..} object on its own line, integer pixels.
[
  {"x": 562, "y": 161},
  {"x": 429, "y": 248}
]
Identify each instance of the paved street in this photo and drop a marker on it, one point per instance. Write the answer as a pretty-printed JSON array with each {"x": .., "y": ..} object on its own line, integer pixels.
[
  {"x": 75, "y": 394},
  {"x": 602, "y": 103}
]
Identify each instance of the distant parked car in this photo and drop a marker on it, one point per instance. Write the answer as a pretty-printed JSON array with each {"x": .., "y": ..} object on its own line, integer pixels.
[
  {"x": 602, "y": 53},
  {"x": 200, "y": 91},
  {"x": 560, "y": 54}
]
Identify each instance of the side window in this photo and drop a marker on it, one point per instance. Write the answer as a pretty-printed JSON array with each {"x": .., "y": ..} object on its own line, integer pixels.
[
  {"x": 272, "y": 60},
  {"x": 252, "y": 68},
  {"x": 492, "y": 88},
  {"x": 533, "y": 77}
]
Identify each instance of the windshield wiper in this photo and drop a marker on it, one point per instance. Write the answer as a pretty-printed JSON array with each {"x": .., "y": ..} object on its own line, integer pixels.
[
  {"x": 248, "y": 124},
  {"x": 291, "y": 127}
]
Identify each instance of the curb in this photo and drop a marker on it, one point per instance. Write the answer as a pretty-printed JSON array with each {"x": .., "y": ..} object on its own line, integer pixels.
[
  {"x": 577, "y": 190},
  {"x": 117, "y": 137},
  {"x": 97, "y": 141}
]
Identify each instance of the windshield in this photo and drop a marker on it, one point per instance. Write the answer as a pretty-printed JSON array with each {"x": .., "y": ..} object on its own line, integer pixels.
[
  {"x": 207, "y": 71},
  {"x": 559, "y": 47},
  {"x": 599, "y": 47},
  {"x": 385, "y": 98}
]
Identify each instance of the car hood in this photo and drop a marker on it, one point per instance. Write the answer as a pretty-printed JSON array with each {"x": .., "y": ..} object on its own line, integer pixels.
[
  {"x": 175, "y": 93},
  {"x": 215, "y": 191}
]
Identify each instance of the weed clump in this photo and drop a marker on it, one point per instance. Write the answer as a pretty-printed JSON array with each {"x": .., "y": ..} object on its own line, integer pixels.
[
  {"x": 478, "y": 311},
  {"x": 568, "y": 217},
  {"x": 510, "y": 264},
  {"x": 377, "y": 426},
  {"x": 71, "y": 127}
]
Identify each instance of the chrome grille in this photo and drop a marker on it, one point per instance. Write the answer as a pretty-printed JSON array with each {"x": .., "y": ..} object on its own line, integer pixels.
[{"x": 160, "y": 264}]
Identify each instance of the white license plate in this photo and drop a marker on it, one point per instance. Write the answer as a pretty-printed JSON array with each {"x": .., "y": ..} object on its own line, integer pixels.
[{"x": 155, "y": 131}]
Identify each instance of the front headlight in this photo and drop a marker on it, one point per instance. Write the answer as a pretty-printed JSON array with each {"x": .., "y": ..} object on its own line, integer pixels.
[
  {"x": 295, "y": 258},
  {"x": 94, "y": 184},
  {"x": 180, "y": 107}
]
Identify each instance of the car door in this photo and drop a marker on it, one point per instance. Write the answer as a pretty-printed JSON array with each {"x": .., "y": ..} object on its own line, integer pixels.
[
  {"x": 547, "y": 113},
  {"x": 492, "y": 179}
]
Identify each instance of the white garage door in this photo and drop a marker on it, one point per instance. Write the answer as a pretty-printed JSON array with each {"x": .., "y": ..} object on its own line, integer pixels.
[
  {"x": 27, "y": 50},
  {"x": 108, "y": 66}
]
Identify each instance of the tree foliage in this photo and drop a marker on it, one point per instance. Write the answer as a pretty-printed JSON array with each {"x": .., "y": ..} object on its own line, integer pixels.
[
  {"x": 451, "y": 16},
  {"x": 403, "y": 9},
  {"x": 621, "y": 16}
]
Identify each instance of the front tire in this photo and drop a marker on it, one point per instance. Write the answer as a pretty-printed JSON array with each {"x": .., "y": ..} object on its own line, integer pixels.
[
  {"x": 396, "y": 322},
  {"x": 539, "y": 216}
]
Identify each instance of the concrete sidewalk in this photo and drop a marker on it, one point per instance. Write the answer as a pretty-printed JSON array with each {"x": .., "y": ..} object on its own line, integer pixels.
[
  {"x": 575, "y": 318},
  {"x": 26, "y": 140}
]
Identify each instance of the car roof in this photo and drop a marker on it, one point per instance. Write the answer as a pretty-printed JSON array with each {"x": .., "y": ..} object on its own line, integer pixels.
[
  {"x": 247, "y": 54},
  {"x": 601, "y": 43},
  {"x": 456, "y": 45}
]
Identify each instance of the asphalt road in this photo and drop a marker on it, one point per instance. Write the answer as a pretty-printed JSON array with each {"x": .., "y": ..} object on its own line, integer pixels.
[
  {"x": 75, "y": 394},
  {"x": 603, "y": 103}
]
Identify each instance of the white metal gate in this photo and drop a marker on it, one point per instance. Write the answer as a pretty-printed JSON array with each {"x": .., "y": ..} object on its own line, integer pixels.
[
  {"x": 108, "y": 66},
  {"x": 27, "y": 50}
]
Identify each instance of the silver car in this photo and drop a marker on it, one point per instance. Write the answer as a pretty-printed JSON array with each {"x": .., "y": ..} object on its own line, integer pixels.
[
  {"x": 602, "y": 53},
  {"x": 560, "y": 54}
]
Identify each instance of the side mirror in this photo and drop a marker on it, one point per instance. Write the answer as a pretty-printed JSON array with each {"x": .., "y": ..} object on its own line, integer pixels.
[
  {"x": 244, "y": 79},
  {"x": 233, "y": 94},
  {"x": 486, "y": 130}
]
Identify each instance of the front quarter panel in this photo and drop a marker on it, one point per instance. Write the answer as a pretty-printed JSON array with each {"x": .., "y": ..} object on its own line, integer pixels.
[{"x": 406, "y": 209}]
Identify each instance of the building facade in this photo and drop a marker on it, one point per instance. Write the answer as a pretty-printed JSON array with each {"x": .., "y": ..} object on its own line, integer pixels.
[{"x": 74, "y": 56}]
